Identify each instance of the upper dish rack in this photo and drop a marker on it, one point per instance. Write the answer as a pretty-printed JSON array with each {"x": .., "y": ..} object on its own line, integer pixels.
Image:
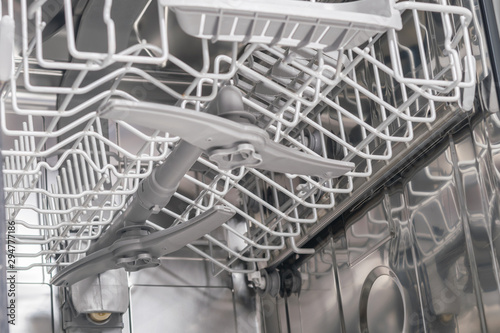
[{"x": 67, "y": 171}]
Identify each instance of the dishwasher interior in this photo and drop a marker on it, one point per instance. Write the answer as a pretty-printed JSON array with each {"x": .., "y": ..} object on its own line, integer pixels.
[{"x": 250, "y": 166}]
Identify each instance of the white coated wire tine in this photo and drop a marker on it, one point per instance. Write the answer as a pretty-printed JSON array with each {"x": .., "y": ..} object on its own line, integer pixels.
[
  {"x": 21, "y": 162},
  {"x": 53, "y": 205},
  {"x": 71, "y": 182},
  {"x": 18, "y": 164},
  {"x": 7, "y": 166},
  {"x": 66, "y": 187},
  {"x": 103, "y": 151},
  {"x": 94, "y": 149},
  {"x": 61, "y": 201},
  {"x": 22, "y": 159},
  {"x": 88, "y": 152},
  {"x": 85, "y": 186},
  {"x": 77, "y": 177},
  {"x": 31, "y": 129}
]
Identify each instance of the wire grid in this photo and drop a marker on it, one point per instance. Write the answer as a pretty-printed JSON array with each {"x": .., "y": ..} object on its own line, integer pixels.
[{"x": 67, "y": 171}]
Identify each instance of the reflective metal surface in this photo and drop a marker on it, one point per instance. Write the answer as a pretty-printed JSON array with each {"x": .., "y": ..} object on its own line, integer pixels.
[
  {"x": 319, "y": 292},
  {"x": 34, "y": 309},
  {"x": 191, "y": 309},
  {"x": 421, "y": 255},
  {"x": 183, "y": 296}
]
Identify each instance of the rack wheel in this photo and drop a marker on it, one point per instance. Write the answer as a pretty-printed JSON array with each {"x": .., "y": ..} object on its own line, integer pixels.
[{"x": 272, "y": 283}]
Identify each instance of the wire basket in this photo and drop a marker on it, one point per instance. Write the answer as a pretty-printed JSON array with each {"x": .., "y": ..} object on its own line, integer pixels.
[
  {"x": 67, "y": 172},
  {"x": 289, "y": 23}
]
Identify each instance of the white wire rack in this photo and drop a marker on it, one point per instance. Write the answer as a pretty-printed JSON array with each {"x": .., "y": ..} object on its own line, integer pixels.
[{"x": 67, "y": 171}]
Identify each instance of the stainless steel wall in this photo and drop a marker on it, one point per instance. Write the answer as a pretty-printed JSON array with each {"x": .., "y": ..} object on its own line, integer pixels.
[
  {"x": 420, "y": 256},
  {"x": 184, "y": 296}
]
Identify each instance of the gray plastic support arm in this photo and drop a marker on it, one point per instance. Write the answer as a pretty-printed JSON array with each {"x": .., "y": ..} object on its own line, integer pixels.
[
  {"x": 228, "y": 143},
  {"x": 156, "y": 190},
  {"x": 137, "y": 253},
  {"x": 153, "y": 194}
]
